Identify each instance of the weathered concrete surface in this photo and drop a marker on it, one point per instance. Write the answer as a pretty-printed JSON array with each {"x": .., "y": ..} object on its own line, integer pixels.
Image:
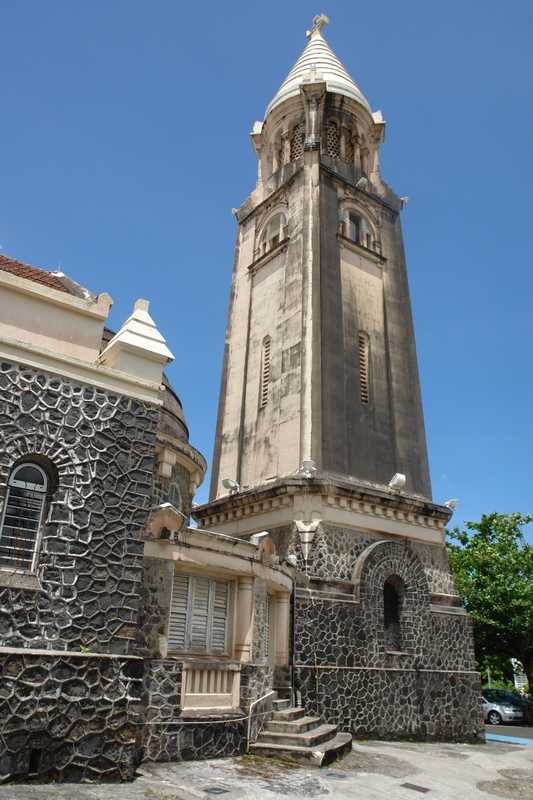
[{"x": 374, "y": 771}]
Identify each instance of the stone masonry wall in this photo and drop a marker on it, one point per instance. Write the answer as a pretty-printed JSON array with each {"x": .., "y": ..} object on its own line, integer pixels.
[
  {"x": 100, "y": 448},
  {"x": 165, "y": 736},
  {"x": 345, "y": 668},
  {"x": 68, "y": 717}
]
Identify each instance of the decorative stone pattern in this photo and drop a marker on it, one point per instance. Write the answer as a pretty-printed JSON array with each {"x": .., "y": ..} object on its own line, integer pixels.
[
  {"x": 161, "y": 487},
  {"x": 437, "y": 568},
  {"x": 101, "y": 447},
  {"x": 68, "y": 717},
  {"x": 154, "y": 610},
  {"x": 335, "y": 551},
  {"x": 390, "y": 704}
]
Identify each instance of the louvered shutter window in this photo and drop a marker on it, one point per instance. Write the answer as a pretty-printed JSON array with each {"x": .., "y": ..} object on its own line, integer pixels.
[
  {"x": 177, "y": 633},
  {"x": 198, "y": 614},
  {"x": 220, "y": 617}
]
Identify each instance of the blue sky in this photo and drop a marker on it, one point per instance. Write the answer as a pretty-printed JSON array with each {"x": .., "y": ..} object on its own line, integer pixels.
[{"x": 124, "y": 144}]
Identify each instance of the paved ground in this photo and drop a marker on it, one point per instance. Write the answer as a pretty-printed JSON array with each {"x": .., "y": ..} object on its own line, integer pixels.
[{"x": 374, "y": 771}]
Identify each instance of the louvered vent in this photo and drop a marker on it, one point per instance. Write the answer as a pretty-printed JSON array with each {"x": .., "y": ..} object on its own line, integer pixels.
[
  {"x": 296, "y": 142},
  {"x": 265, "y": 372},
  {"x": 363, "y": 365}
]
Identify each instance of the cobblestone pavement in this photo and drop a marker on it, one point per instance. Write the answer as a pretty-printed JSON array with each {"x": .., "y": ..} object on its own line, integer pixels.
[{"x": 374, "y": 771}]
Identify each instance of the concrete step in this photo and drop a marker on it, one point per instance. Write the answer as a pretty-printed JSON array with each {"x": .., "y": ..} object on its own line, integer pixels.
[
  {"x": 280, "y": 704},
  {"x": 289, "y": 714},
  {"x": 319, "y": 756},
  {"x": 298, "y": 725},
  {"x": 313, "y": 738}
]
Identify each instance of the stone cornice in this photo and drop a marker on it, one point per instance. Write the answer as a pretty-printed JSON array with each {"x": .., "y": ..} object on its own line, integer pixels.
[
  {"x": 325, "y": 485},
  {"x": 329, "y": 501},
  {"x": 361, "y": 192},
  {"x": 79, "y": 370}
]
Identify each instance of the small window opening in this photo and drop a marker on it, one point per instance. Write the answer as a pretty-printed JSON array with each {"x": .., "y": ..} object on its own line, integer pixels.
[
  {"x": 35, "y": 760},
  {"x": 357, "y": 229},
  {"x": 393, "y": 591},
  {"x": 22, "y": 516},
  {"x": 273, "y": 234},
  {"x": 174, "y": 496},
  {"x": 364, "y": 346},
  {"x": 265, "y": 372}
]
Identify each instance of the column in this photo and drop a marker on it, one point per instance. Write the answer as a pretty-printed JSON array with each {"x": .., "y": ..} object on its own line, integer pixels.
[
  {"x": 281, "y": 655},
  {"x": 342, "y": 143},
  {"x": 243, "y": 619},
  {"x": 285, "y": 148}
]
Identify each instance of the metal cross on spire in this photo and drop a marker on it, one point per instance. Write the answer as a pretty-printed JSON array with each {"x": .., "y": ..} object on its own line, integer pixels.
[{"x": 318, "y": 24}]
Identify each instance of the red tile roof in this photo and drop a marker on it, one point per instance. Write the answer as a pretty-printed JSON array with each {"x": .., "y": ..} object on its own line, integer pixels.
[{"x": 31, "y": 273}]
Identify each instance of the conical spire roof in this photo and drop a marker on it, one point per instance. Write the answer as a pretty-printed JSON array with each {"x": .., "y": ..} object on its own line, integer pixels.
[{"x": 318, "y": 63}]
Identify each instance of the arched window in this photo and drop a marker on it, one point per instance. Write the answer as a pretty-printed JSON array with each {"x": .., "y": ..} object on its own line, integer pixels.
[
  {"x": 273, "y": 233},
  {"x": 22, "y": 516},
  {"x": 393, "y": 595},
  {"x": 265, "y": 372},
  {"x": 357, "y": 229},
  {"x": 174, "y": 496},
  {"x": 364, "y": 349}
]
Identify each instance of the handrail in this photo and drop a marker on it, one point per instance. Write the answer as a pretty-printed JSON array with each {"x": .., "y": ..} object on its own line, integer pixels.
[{"x": 259, "y": 699}]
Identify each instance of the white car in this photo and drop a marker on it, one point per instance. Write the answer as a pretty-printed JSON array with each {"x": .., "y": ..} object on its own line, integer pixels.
[{"x": 498, "y": 708}]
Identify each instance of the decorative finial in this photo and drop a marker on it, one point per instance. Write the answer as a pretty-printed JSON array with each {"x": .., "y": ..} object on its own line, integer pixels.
[{"x": 318, "y": 24}]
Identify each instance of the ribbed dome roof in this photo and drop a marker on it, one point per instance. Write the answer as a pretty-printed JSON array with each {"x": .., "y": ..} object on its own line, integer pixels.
[{"x": 318, "y": 56}]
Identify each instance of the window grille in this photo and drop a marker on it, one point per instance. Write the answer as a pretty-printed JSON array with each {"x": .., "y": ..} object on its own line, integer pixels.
[
  {"x": 198, "y": 614},
  {"x": 333, "y": 139},
  {"x": 296, "y": 142},
  {"x": 363, "y": 365},
  {"x": 22, "y": 516},
  {"x": 350, "y": 154},
  {"x": 265, "y": 372}
]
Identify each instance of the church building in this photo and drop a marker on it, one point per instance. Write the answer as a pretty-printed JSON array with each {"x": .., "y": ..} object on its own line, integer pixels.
[{"x": 313, "y": 600}]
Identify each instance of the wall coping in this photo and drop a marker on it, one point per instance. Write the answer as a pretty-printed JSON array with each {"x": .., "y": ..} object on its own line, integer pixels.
[{"x": 28, "y": 651}]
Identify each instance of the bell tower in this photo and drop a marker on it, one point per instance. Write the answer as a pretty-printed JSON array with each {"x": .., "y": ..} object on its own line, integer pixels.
[
  {"x": 320, "y": 361},
  {"x": 320, "y": 407}
]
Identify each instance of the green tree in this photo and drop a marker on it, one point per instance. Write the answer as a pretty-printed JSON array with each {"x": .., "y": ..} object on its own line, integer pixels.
[{"x": 493, "y": 568}]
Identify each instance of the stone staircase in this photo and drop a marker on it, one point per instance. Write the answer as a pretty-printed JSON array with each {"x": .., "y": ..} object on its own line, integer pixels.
[{"x": 292, "y": 736}]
